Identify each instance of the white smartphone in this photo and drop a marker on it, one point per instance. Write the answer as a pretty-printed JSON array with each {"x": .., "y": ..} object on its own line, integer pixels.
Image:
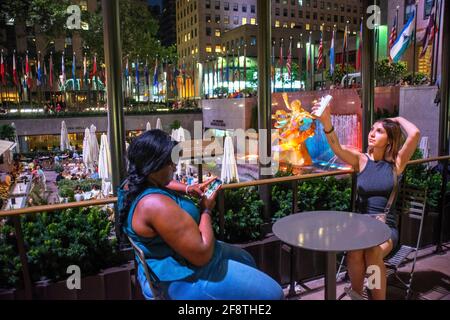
[{"x": 324, "y": 103}]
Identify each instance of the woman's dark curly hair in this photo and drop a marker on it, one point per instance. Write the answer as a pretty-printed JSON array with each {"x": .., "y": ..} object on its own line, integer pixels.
[{"x": 148, "y": 153}]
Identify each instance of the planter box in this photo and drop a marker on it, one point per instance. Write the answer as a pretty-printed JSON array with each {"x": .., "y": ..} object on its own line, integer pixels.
[{"x": 110, "y": 284}]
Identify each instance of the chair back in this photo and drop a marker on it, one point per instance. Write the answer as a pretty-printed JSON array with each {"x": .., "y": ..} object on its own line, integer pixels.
[
  {"x": 412, "y": 204},
  {"x": 151, "y": 277}
]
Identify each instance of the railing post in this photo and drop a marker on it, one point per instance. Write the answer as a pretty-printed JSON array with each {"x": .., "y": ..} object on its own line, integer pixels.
[
  {"x": 221, "y": 208},
  {"x": 294, "y": 196},
  {"x": 442, "y": 206},
  {"x": 23, "y": 258},
  {"x": 200, "y": 172},
  {"x": 354, "y": 192}
]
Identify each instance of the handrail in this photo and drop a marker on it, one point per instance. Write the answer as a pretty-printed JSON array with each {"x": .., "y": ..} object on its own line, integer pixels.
[
  {"x": 57, "y": 207},
  {"x": 287, "y": 179}
]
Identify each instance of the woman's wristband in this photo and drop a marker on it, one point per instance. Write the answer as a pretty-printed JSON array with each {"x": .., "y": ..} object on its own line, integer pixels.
[
  {"x": 187, "y": 191},
  {"x": 207, "y": 211},
  {"x": 330, "y": 131}
]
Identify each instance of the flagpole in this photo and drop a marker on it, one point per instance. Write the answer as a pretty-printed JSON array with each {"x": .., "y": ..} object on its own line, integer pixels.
[
  {"x": 281, "y": 64},
  {"x": 290, "y": 54},
  {"x": 300, "y": 61},
  {"x": 415, "y": 41},
  {"x": 346, "y": 54},
  {"x": 435, "y": 71}
]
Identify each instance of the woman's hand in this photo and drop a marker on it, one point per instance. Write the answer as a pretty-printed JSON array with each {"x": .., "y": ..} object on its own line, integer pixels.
[
  {"x": 325, "y": 118},
  {"x": 209, "y": 203},
  {"x": 197, "y": 189}
]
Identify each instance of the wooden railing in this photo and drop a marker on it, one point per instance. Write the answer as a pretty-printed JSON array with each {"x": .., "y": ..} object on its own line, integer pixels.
[{"x": 15, "y": 214}]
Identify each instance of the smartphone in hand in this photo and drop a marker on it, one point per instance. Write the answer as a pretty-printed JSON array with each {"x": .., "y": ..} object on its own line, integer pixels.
[
  {"x": 324, "y": 103},
  {"x": 213, "y": 187}
]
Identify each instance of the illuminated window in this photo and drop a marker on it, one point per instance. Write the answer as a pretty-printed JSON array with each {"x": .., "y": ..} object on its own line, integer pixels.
[
  {"x": 244, "y": 20},
  {"x": 277, "y": 24},
  {"x": 253, "y": 21},
  {"x": 218, "y": 48},
  {"x": 292, "y": 24},
  {"x": 307, "y": 26},
  {"x": 208, "y": 48},
  {"x": 217, "y": 33}
]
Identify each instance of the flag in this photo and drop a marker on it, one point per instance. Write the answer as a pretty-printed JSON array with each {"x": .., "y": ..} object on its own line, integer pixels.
[
  {"x": 404, "y": 40},
  {"x": 281, "y": 54},
  {"x": 50, "y": 82},
  {"x": 430, "y": 31},
  {"x": 74, "y": 69},
  {"x": 94, "y": 72},
  {"x": 273, "y": 63},
  {"x": 85, "y": 72},
  {"x": 44, "y": 77},
  {"x": 332, "y": 55},
  {"x": 345, "y": 45},
  {"x": 227, "y": 71},
  {"x": 146, "y": 74},
  {"x": 2, "y": 69},
  {"x": 309, "y": 53},
  {"x": 15, "y": 80},
  {"x": 155, "y": 74},
  {"x": 289, "y": 60},
  {"x": 27, "y": 71},
  {"x": 359, "y": 54},
  {"x": 63, "y": 70},
  {"x": 137, "y": 78},
  {"x": 39, "y": 72},
  {"x": 320, "y": 57},
  {"x": 393, "y": 35}
]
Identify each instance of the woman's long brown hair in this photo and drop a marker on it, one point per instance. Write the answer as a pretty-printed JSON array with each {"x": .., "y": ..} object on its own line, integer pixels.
[{"x": 394, "y": 133}]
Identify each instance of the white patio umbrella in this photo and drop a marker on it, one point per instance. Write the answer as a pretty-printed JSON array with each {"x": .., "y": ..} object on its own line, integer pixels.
[
  {"x": 148, "y": 127},
  {"x": 87, "y": 152},
  {"x": 94, "y": 144},
  {"x": 104, "y": 165},
  {"x": 64, "y": 140},
  {"x": 229, "y": 167},
  {"x": 180, "y": 137},
  {"x": 16, "y": 139},
  {"x": 159, "y": 124}
]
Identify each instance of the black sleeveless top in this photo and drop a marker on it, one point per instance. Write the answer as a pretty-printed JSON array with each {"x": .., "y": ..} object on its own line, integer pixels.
[{"x": 374, "y": 187}]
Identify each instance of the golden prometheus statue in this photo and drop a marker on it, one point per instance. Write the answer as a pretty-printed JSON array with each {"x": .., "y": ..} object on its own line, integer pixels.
[{"x": 292, "y": 137}]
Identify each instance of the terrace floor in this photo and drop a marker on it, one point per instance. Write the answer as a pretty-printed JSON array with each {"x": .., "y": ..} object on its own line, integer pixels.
[{"x": 431, "y": 280}]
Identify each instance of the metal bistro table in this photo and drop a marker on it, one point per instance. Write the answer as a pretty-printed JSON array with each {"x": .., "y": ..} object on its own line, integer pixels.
[{"x": 331, "y": 232}]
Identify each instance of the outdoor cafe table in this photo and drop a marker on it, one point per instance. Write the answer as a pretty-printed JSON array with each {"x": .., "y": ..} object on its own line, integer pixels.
[{"x": 331, "y": 232}]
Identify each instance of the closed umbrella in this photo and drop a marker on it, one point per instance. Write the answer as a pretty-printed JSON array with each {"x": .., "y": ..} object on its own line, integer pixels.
[
  {"x": 104, "y": 165},
  {"x": 229, "y": 167},
  {"x": 180, "y": 137},
  {"x": 159, "y": 124},
  {"x": 87, "y": 155},
  {"x": 148, "y": 127},
  {"x": 94, "y": 144},
  {"x": 16, "y": 139},
  {"x": 64, "y": 140}
]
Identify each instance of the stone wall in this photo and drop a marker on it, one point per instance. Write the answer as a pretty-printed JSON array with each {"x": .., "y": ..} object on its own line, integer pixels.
[{"x": 417, "y": 105}]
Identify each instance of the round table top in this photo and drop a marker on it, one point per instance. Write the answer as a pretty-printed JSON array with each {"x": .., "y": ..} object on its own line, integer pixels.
[{"x": 331, "y": 231}]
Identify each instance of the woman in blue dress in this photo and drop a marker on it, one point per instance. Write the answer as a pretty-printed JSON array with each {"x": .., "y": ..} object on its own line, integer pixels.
[
  {"x": 385, "y": 155},
  {"x": 177, "y": 237}
]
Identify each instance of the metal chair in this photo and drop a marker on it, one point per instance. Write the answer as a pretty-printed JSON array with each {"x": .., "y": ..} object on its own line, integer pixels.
[
  {"x": 151, "y": 277},
  {"x": 413, "y": 204}
]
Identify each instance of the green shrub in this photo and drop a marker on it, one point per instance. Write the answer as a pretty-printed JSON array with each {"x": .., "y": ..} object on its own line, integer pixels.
[
  {"x": 66, "y": 187},
  {"x": 55, "y": 241}
]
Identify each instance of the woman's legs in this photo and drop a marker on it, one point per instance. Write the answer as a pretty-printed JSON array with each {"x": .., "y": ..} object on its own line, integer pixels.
[
  {"x": 356, "y": 270},
  {"x": 374, "y": 257},
  {"x": 232, "y": 275}
]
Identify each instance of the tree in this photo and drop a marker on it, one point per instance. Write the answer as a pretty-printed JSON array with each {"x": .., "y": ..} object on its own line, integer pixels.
[
  {"x": 339, "y": 73},
  {"x": 389, "y": 73},
  {"x": 7, "y": 132},
  {"x": 138, "y": 30}
]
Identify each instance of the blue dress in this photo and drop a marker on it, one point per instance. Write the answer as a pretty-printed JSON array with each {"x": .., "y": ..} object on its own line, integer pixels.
[{"x": 231, "y": 273}]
